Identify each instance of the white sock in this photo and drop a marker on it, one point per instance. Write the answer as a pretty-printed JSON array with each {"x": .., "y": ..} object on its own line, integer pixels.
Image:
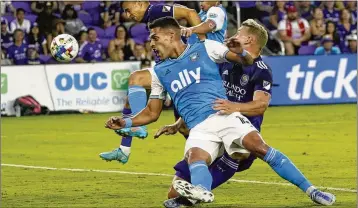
[
  {"x": 309, "y": 190},
  {"x": 125, "y": 150}
]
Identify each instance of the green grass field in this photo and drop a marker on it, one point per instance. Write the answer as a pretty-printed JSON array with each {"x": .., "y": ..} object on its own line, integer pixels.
[{"x": 321, "y": 140}]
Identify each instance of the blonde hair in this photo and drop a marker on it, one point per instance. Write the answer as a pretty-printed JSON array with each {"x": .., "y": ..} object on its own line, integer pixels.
[{"x": 258, "y": 30}]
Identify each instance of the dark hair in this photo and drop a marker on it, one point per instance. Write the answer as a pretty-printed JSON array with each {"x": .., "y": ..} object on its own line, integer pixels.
[
  {"x": 20, "y": 10},
  {"x": 17, "y": 30},
  {"x": 165, "y": 23},
  {"x": 64, "y": 13},
  {"x": 90, "y": 29},
  {"x": 125, "y": 30},
  {"x": 336, "y": 38},
  {"x": 78, "y": 36},
  {"x": 331, "y": 22}
]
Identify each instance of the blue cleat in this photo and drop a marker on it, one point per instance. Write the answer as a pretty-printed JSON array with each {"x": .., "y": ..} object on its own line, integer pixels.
[
  {"x": 139, "y": 132},
  {"x": 116, "y": 154},
  {"x": 322, "y": 198}
]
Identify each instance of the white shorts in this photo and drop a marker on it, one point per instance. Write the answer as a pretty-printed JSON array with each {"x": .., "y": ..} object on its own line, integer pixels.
[{"x": 220, "y": 130}]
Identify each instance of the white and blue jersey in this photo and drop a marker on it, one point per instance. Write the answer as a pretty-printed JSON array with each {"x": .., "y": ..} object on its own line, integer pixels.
[
  {"x": 219, "y": 16},
  {"x": 192, "y": 80}
]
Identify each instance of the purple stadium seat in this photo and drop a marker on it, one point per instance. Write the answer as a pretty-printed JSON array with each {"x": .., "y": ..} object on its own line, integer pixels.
[
  {"x": 306, "y": 50},
  {"x": 88, "y": 5},
  {"x": 20, "y": 4},
  {"x": 139, "y": 33},
  {"x": 100, "y": 31},
  {"x": 45, "y": 58},
  {"x": 86, "y": 18},
  {"x": 105, "y": 43},
  {"x": 9, "y": 17},
  {"x": 95, "y": 16},
  {"x": 31, "y": 17},
  {"x": 109, "y": 32}
]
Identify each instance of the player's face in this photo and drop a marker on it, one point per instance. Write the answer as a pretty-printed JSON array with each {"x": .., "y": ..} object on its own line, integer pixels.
[
  {"x": 161, "y": 42},
  {"x": 134, "y": 10},
  {"x": 244, "y": 36}
]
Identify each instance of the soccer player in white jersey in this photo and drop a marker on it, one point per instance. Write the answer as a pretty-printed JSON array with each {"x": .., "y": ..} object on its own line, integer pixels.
[{"x": 190, "y": 74}]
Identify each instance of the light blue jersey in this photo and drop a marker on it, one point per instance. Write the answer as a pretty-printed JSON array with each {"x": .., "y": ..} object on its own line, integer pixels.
[
  {"x": 219, "y": 16},
  {"x": 192, "y": 80}
]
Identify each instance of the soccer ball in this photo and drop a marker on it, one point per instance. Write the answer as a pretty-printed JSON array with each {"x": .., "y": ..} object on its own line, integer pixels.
[{"x": 64, "y": 48}]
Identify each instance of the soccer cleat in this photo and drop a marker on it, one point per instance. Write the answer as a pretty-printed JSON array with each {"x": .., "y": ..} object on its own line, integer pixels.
[
  {"x": 323, "y": 198},
  {"x": 178, "y": 202},
  {"x": 140, "y": 132},
  {"x": 190, "y": 191},
  {"x": 116, "y": 154}
]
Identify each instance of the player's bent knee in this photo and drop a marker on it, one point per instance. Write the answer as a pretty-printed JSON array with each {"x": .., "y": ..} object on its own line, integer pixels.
[
  {"x": 254, "y": 143},
  {"x": 141, "y": 78},
  {"x": 197, "y": 154}
]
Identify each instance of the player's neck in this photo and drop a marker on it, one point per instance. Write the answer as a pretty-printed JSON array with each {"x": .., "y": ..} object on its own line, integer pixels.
[
  {"x": 254, "y": 54},
  {"x": 178, "y": 50}
]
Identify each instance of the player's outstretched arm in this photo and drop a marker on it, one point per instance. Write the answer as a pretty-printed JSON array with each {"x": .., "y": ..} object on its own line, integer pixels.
[
  {"x": 148, "y": 115},
  {"x": 232, "y": 52},
  {"x": 215, "y": 21},
  {"x": 182, "y": 12},
  {"x": 256, "y": 107}
]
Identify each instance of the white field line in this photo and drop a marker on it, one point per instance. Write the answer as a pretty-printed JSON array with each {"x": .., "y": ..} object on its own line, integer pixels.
[{"x": 166, "y": 175}]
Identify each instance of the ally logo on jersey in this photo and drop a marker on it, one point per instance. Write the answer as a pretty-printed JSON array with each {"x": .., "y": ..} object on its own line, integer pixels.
[{"x": 185, "y": 78}]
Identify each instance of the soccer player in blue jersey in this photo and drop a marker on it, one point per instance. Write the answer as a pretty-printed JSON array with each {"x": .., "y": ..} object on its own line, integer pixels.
[
  {"x": 190, "y": 74},
  {"x": 214, "y": 26}
]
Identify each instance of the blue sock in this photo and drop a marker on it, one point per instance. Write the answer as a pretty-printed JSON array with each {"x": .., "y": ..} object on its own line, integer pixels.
[
  {"x": 137, "y": 97},
  {"x": 126, "y": 141},
  {"x": 200, "y": 175},
  {"x": 283, "y": 166}
]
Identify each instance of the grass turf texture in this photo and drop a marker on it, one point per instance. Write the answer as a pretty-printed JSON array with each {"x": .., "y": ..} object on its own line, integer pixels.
[{"x": 321, "y": 140}]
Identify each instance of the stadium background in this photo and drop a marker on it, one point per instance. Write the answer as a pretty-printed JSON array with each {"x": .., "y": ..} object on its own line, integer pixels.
[{"x": 319, "y": 138}]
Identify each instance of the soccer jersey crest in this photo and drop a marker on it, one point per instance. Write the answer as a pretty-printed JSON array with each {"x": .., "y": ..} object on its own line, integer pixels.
[
  {"x": 166, "y": 8},
  {"x": 244, "y": 79},
  {"x": 194, "y": 57}
]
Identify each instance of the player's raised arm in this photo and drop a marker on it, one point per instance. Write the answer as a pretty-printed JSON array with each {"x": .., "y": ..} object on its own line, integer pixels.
[
  {"x": 233, "y": 52},
  {"x": 182, "y": 12},
  {"x": 215, "y": 21}
]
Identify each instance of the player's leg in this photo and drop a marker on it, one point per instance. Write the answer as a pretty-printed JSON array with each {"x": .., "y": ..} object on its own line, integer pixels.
[
  {"x": 201, "y": 148},
  {"x": 252, "y": 141},
  {"x": 138, "y": 82},
  {"x": 122, "y": 153}
]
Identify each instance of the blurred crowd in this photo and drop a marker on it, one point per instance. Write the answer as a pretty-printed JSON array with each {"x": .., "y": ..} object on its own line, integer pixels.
[
  {"x": 105, "y": 33},
  {"x": 307, "y": 27}
]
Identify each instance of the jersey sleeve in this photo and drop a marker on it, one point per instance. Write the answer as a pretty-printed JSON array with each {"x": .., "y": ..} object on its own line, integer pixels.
[
  {"x": 216, "y": 51},
  {"x": 158, "y": 11},
  {"x": 263, "y": 81},
  {"x": 157, "y": 91},
  {"x": 217, "y": 15}
]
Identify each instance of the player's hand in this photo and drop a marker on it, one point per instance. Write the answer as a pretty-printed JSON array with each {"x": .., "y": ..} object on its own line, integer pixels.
[
  {"x": 225, "y": 107},
  {"x": 186, "y": 31},
  {"x": 167, "y": 130},
  {"x": 234, "y": 45},
  {"x": 115, "y": 123}
]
